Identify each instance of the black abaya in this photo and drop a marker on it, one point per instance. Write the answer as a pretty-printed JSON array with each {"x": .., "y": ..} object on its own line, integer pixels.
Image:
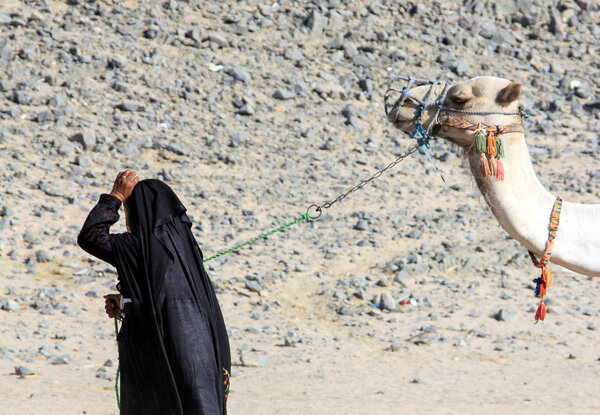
[{"x": 173, "y": 345}]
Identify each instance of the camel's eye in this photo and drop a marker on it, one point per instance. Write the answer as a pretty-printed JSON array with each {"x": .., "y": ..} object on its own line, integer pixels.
[{"x": 459, "y": 100}]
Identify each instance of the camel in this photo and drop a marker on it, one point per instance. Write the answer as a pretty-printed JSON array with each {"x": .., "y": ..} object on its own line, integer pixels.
[{"x": 519, "y": 202}]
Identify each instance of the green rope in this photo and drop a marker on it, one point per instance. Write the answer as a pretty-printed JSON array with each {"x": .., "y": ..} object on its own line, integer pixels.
[
  {"x": 305, "y": 216},
  {"x": 118, "y": 368}
]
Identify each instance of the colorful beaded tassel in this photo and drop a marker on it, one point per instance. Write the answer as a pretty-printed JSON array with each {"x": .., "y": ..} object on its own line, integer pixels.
[
  {"x": 491, "y": 150},
  {"x": 545, "y": 280}
]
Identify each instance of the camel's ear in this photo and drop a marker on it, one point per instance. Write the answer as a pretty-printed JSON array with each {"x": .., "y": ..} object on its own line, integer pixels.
[{"x": 509, "y": 94}]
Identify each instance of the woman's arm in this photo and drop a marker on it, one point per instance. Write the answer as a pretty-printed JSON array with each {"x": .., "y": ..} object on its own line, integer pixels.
[{"x": 93, "y": 237}]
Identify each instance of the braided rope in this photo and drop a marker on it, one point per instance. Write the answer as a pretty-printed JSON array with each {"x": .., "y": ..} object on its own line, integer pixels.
[
  {"x": 545, "y": 280},
  {"x": 305, "y": 216}
]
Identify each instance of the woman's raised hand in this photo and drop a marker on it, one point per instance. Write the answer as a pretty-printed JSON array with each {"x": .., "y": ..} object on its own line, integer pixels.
[{"x": 124, "y": 184}]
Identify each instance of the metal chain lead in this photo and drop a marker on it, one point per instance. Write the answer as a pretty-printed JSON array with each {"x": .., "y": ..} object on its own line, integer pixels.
[{"x": 327, "y": 205}]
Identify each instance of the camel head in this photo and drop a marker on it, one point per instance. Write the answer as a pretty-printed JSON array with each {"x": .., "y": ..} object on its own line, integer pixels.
[{"x": 484, "y": 99}]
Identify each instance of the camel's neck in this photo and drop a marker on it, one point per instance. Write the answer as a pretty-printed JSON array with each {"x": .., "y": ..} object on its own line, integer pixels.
[{"x": 523, "y": 206}]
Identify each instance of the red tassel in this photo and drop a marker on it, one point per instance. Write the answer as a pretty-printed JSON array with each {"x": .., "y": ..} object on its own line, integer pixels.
[
  {"x": 499, "y": 169},
  {"x": 485, "y": 168},
  {"x": 541, "y": 312},
  {"x": 542, "y": 292}
]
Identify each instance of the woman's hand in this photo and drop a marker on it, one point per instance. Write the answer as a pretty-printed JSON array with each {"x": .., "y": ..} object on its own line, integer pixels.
[
  {"x": 124, "y": 184},
  {"x": 112, "y": 305}
]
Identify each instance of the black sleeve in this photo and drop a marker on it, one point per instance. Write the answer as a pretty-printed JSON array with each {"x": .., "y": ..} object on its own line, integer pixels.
[{"x": 93, "y": 237}]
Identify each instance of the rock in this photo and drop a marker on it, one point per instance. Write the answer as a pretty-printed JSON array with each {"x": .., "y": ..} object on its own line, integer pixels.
[
  {"x": 61, "y": 360},
  {"x": 387, "y": 302},
  {"x": 128, "y": 106},
  {"x": 253, "y": 286},
  {"x": 87, "y": 138},
  {"x": 361, "y": 225},
  {"x": 20, "y": 97},
  {"x": 42, "y": 256},
  {"x": 283, "y": 94},
  {"x": 420, "y": 380},
  {"x": 83, "y": 160},
  {"x": 415, "y": 233},
  {"x": 504, "y": 315},
  {"x": 23, "y": 371},
  {"x": 316, "y": 22},
  {"x": 5, "y": 19},
  {"x": 291, "y": 339},
  {"x": 116, "y": 62},
  {"x": 239, "y": 73},
  {"x": 9, "y": 305},
  {"x": 246, "y": 109},
  {"x": 217, "y": 39},
  {"x": 4, "y": 85},
  {"x": 252, "y": 359}
]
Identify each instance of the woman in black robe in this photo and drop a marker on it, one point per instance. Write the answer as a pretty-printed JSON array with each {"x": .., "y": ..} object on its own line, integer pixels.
[{"x": 173, "y": 345}]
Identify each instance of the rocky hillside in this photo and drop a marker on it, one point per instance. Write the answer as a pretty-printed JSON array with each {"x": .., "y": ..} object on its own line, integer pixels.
[{"x": 255, "y": 110}]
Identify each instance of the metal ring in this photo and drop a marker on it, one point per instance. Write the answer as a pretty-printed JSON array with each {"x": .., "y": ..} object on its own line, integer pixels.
[{"x": 317, "y": 209}]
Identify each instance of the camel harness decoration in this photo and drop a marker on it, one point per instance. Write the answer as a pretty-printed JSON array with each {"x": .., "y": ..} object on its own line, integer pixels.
[{"x": 482, "y": 115}]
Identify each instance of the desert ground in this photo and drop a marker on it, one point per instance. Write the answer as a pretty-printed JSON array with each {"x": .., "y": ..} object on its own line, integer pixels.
[{"x": 407, "y": 297}]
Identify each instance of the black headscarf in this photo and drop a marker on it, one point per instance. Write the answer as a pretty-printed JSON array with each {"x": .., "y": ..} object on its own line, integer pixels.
[{"x": 160, "y": 233}]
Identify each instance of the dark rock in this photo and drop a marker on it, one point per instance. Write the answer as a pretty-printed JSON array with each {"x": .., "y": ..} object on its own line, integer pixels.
[{"x": 20, "y": 97}]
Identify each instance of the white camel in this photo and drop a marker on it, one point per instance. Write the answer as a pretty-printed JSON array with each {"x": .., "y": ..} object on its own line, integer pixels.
[{"x": 519, "y": 202}]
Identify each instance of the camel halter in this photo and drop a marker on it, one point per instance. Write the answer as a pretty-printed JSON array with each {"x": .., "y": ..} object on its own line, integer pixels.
[{"x": 487, "y": 136}]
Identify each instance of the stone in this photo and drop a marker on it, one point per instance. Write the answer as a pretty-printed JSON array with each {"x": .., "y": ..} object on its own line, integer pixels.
[
  {"x": 20, "y": 97},
  {"x": 23, "y": 371},
  {"x": 4, "y": 85},
  {"x": 283, "y": 94},
  {"x": 86, "y": 137},
  {"x": 387, "y": 302},
  {"x": 361, "y": 225},
  {"x": 504, "y": 315},
  {"x": 9, "y": 305},
  {"x": 83, "y": 160},
  {"x": 316, "y": 22},
  {"x": 5, "y": 19},
  {"x": 239, "y": 73},
  {"x": 128, "y": 106},
  {"x": 253, "y": 286},
  {"x": 42, "y": 256},
  {"x": 218, "y": 39},
  {"x": 252, "y": 359},
  {"x": 61, "y": 360}
]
